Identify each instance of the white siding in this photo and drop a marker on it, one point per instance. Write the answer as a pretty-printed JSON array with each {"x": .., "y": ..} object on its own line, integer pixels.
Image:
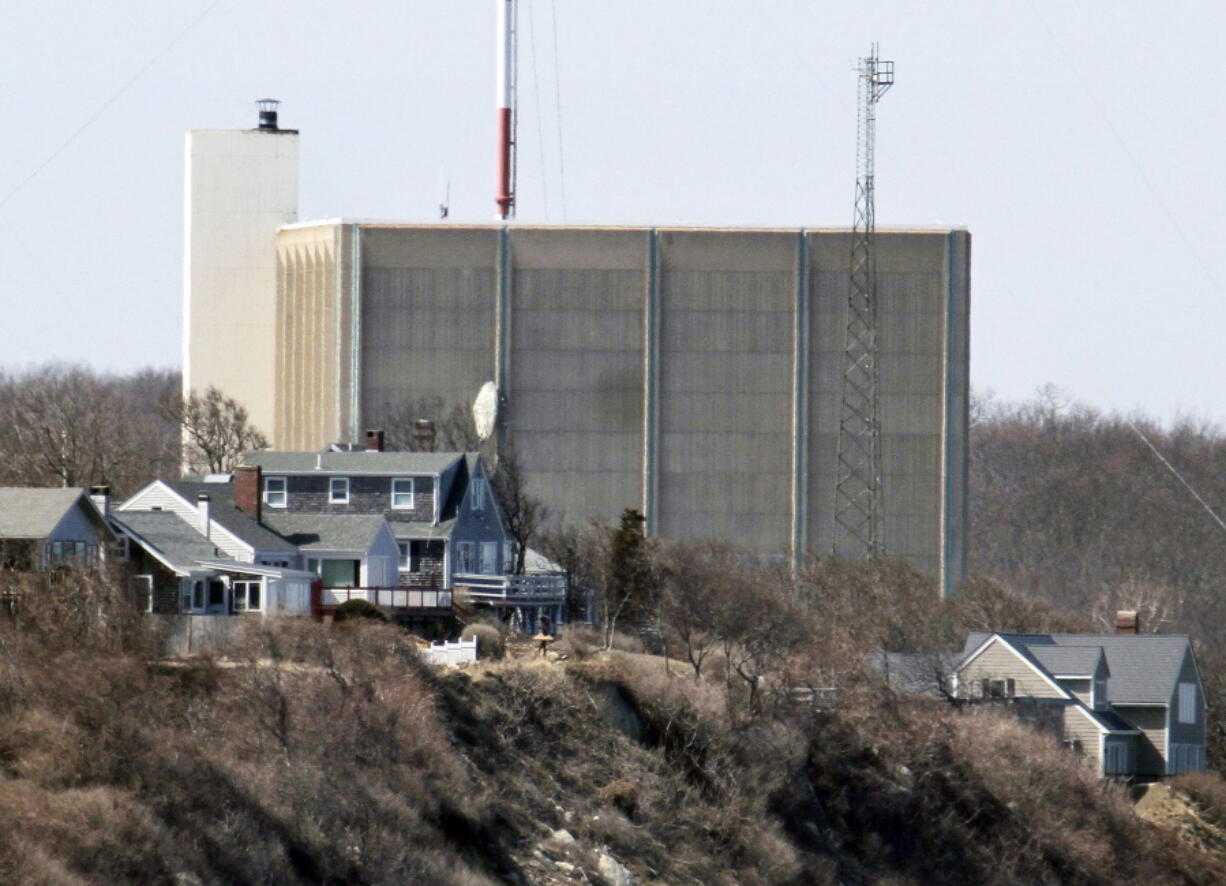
[{"x": 160, "y": 497}]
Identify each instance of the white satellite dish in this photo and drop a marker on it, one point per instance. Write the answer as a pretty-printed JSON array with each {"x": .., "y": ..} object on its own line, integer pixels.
[{"x": 485, "y": 410}]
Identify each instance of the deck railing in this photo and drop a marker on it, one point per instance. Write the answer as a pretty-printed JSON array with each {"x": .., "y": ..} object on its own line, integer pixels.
[
  {"x": 388, "y": 598},
  {"x": 487, "y": 588}
]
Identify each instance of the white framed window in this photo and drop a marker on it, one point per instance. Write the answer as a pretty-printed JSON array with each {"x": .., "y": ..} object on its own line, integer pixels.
[
  {"x": 1100, "y": 693},
  {"x": 1187, "y": 702},
  {"x": 197, "y": 595},
  {"x": 246, "y": 596},
  {"x": 489, "y": 558},
  {"x": 402, "y": 493},
  {"x": 478, "y": 494},
  {"x": 406, "y": 556},
  {"x": 275, "y": 495},
  {"x": 997, "y": 688},
  {"x": 338, "y": 490},
  {"x": 466, "y": 557}
]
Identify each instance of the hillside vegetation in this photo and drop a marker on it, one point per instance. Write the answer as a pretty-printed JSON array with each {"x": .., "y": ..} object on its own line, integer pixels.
[{"x": 330, "y": 754}]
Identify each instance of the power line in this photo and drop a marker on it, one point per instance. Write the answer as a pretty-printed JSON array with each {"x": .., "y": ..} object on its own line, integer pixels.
[
  {"x": 1186, "y": 485},
  {"x": 106, "y": 105},
  {"x": 557, "y": 95},
  {"x": 1123, "y": 144},
  {"x": 536, "y": 90}
]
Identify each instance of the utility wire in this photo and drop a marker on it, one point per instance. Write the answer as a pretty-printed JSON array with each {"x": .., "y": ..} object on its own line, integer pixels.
[
  {"x": 557, "y": 95},
  {"x": 536, "y": 90},
  {"x": 110, "y": 101},
  {"x": 1140, "y": 170},
  {"x": 1186, "y": 485}
]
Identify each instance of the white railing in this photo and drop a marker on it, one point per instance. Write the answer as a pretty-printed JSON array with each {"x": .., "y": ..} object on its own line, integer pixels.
[
  {"x": 513, "y": 587},
  {"x": 392, "y": 598},
  {"x": 450, "y": 653}
]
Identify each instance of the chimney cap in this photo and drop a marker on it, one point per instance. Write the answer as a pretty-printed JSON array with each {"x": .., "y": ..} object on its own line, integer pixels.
[
  {"x": 101, "y": 489},
  {"x": 203, "y": 496},
  {"x": 1127, "y": 621},
  {"x": 268, "y": 114}
]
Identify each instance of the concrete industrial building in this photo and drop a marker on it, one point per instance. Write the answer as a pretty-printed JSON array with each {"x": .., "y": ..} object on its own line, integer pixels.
[{"x": 692, "y": 373}]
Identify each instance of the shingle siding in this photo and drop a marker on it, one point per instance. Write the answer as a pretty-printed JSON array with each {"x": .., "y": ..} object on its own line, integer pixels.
[{"x": 367, "y": 495}]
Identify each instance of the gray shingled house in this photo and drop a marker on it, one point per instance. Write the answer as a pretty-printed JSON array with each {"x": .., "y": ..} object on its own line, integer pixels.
[
  {"x": 447, "y": 526},
  {"x": 52, "y": 528},
  {"x": 1133, "y": 703}
]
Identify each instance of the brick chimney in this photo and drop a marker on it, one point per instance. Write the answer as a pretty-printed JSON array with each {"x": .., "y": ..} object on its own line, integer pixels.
[
  {"x": 374, "y": 440},
  {"x": 1127, "y": 621},
  {"x": 248, "y": 491},
  {"x": 423, "y": 435}
]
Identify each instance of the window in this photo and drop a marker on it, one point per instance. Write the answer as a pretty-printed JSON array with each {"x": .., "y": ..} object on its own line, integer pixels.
[
  {"x": 1100, "y": 693},
  {"x": 338, "y": 490},
  {"x": 402, "y": 492},
  {"x": 466, "y": 557},
  {"x": 489, "y": 558},
  {"x": 1187, "y": 702},
  {"x": 313, "y": 565},
  {"x": 478, "y": 494},
  {"x": 246, "y": 596},
  {"x": 275, "y": 495},
  {"x": 198, "y": 595},
  {"x": 997, "y": 688},
  {"x": 406, "y": 556}
]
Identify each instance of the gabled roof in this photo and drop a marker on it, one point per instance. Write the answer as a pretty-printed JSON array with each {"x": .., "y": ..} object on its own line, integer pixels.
[
  {"x": 169, "y": 535},
  {"x": 352, "y": 463},
  {"x": 1068, "y": 661},
  {"x": 1144, "y": 667},
  {"x": 328, "y": 532},
  {"x": 29, "y": 512},
  {"x": 223, "y": 510}
]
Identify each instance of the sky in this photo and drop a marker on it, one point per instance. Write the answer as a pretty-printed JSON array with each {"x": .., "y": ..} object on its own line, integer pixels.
[{"x": 1077, "y": 141}]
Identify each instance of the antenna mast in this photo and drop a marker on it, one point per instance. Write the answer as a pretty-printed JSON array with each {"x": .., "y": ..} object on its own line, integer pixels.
[
  {"x": 858, "y": 505},
  {"x": 507, "y": 12}
]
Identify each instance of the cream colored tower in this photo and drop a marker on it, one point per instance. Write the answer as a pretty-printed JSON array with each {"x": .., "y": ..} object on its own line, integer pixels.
[{"x": 240, "y": 188}]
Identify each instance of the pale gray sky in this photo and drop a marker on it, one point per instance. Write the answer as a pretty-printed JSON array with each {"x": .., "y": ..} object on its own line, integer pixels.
[{"x": 1077, "y": 141}]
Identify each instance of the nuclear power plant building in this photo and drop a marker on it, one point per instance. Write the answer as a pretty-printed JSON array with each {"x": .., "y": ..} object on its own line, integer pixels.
[{"x": 691, "y": 373}]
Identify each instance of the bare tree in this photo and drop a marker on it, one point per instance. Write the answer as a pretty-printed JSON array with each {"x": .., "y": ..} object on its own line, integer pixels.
[
  {"x": 216, "y": 429},
  {"x": 524, "y": 514},
  {"x": 69, "y": 426},
  {"x": 454, "y": 430}
]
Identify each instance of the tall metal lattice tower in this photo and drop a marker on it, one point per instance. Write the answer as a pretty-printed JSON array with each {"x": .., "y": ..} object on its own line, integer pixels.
[{"x": 858, "y": 500}]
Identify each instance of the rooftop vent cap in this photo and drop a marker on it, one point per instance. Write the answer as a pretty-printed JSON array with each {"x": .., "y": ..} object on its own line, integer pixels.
[{"x": 268, "y": 113}]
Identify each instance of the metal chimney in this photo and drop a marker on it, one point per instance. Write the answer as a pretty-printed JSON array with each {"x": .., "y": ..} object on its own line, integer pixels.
[{"x": 268, "y": 113}]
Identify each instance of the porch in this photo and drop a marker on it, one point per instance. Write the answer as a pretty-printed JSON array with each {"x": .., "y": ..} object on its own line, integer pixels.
[
  {"x": 519, "y": 600},
  {"x": 398, "y": 601}
]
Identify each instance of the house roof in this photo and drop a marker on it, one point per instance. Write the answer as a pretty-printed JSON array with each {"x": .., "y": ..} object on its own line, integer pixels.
[
  {"x": 179, "y": 543},
  {"x": 222, "y": 509},
  {"x": 422, "y": 530},
  {"x": 28, "y": 512},
  {"x": 1068, "y": 661},
  {"x": 351, "y": 463},
  {"x": 327, "y": 532},
  {"x": 1143, "y": 667}
]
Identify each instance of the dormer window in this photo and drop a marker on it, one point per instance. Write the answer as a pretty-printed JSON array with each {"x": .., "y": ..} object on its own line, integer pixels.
[
  {"x": 338, "y": 490},
  {"x": 478, "y": 494},
  {"x": 1100, "y": 693},
  {"x": 402, "y": 493},
  {"x": 275, "y": 495}
]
